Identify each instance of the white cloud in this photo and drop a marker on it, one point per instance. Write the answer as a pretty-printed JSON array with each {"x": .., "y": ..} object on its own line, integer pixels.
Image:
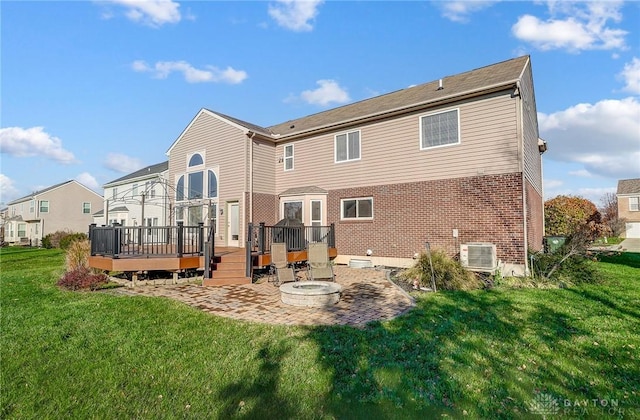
[
  {"x": 329, "y": 91},
  {"x": 604, "y": 137},
  {"x": 211, "y": 74},
  {"x": 154, "y": 13},
  {"x": 34, "y": 141},
  {"x": 295, "y": 14},
  {"x": 574, "y": 26},
  {"x": 122, "y": 163},
  {"x": 459, "y": 11},
  {"x": 582, "y": 173},
  {"x": 8, "y": 191},
  {"x": 631, "y": 76},
  {"x": 88, "y": 180}
]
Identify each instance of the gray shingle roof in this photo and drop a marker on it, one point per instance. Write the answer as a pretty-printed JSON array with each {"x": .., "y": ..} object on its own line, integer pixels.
[
  {"x": 303, "y": 190},
  {"x": 500, "y": 74},
  {"x": 149, "y": 170},
  {"x": 629, "y": 186},
  {"x": 30, "y": 196}
]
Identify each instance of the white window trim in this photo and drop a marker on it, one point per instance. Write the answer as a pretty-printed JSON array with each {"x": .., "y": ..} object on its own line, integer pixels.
[
  {"x": 190, "y": 155},
  {"x": 301, "y": 201},
  {"x": 89, "y": 203},
  {"x": 441, "y": 145},
  {"x": 637, "y": 203},
  {"x": 285, "y": 157},
  {"x": 205, "y": 183},
  {"x": 335, "y": 146},
  {"x": 342, "y": 200},
  {"x": 311, "y": 212}
]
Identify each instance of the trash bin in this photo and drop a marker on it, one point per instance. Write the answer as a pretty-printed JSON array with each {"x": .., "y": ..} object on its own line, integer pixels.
[{"x": 553, "y": 243}]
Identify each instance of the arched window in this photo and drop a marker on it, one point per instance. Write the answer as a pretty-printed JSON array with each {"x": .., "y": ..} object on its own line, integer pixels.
[
  {"x": 213, "y": 184},
  {"x": 196, "y": 160},
  {"x": 180, "y": 189}
]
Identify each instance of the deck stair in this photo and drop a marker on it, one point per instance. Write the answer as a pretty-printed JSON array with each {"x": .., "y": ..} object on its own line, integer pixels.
[{"x": 228, "y": 267}]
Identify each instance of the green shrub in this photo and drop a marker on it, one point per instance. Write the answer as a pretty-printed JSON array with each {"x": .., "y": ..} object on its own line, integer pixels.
[
  {"x": 82, "y": 278},
  {"x": 449, "y": 274},
  {"x": 66, "y": 241},
  {"x": 61, "y": 239}
]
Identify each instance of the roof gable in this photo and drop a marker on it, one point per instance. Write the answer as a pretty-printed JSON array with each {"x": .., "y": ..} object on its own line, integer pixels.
[
  {"x": 629, "y": 186},
  {"x": 35, "y": 194},
  {"x": 243, "y": 126}
]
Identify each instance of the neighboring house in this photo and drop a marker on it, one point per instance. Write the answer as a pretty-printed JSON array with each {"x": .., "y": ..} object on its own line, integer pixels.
[
  {"x": 629, "y": 206},
  {"x": 4, "y": 214},
  {"x": 63, "y": 207},
  {"x": 140, "y": 198},
  {"x": 450, "y": 162}
]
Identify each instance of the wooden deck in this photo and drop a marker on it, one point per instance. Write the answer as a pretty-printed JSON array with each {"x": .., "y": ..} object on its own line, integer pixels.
[{"x": 229, "y": 264}]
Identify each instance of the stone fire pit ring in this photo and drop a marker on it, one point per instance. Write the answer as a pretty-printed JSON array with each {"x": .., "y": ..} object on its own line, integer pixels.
[{"x": 310, "y": 293}]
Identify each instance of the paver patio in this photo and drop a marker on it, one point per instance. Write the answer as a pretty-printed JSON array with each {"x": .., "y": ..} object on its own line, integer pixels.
[{"x": 367, "y": 295}]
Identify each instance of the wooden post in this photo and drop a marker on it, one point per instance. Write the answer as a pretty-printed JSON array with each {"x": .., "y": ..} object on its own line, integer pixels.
[{"x": 200, "y": 238}]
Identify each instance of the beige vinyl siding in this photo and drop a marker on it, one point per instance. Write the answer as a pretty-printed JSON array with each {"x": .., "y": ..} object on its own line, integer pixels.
[
  {"x": 531, "y": 155},
  {"x": 65, "y": 209},
  {"x": 222, "y": 145},
  {"x": 390, "y": 150},
  {"x": 264, "y": 159}
]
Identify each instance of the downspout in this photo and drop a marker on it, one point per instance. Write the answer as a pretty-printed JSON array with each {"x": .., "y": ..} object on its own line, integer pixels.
[
  {"x": 524, "y": 180},
  {"x": 251, "y": 177}
]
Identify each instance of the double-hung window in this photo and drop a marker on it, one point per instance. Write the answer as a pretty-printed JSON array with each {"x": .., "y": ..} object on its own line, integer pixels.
[
  {"x": 347, "y": 146},
  {"x": 634, "y": 203},
  {"x": 440, "y": 129},
  {"x": 288, "y": 157},
  {"x": 356, "y": 208},
  {"x": 44, "y": 206},
  {"x": 86, "y": 208}
]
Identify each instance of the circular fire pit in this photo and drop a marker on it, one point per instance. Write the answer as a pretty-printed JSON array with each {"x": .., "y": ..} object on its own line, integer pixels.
[{"x": 310, "y": 293}]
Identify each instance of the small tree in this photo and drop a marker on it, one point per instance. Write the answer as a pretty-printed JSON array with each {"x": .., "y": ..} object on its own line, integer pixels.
[
  {"x": 566, "y": 215},
  {"x": 609, "y": 211}
]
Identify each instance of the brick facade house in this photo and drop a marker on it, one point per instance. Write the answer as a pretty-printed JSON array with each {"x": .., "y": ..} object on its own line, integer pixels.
[{"x": 450, "y": 162}]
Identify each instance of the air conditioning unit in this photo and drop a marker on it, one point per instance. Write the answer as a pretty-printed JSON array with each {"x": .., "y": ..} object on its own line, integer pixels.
[{"x": 478, "y": 256}]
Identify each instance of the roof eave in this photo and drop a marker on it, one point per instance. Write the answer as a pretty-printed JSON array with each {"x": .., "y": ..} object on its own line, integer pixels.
[{"x": 401, "y": 110}]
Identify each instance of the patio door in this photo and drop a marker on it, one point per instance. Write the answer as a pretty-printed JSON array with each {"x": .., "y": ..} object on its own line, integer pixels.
[{"x": 233, "y": 224}]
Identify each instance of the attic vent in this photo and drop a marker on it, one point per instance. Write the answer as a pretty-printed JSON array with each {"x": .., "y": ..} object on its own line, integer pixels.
[
  {"x": 440, "y": 87},
  {"x": 292, "y": 126}
]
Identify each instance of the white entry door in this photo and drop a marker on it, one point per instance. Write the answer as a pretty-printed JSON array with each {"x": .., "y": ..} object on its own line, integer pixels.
[{"x": 233, "y": 224}]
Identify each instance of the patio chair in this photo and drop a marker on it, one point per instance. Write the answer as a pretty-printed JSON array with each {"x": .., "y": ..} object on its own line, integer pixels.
[
  {"x": 281, "y": 271},
  {"x": 320, "y": 267}
]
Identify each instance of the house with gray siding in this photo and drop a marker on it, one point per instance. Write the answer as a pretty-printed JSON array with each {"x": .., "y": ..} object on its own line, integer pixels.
[
  {"x": 67, "y": 206},
  {"x": 452, "y": 162}
]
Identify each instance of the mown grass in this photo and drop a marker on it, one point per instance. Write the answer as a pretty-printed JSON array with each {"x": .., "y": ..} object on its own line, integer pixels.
[{"x": 486, "y": 354}]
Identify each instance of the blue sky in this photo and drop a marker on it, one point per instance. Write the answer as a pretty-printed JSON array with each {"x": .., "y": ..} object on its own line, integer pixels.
[{"x": 95, "y": 90}]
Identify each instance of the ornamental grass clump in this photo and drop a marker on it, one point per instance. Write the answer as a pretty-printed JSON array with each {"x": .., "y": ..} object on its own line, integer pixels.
[
  {"x": 449, "y": 274},
  {"x": 78, "y": 275},
  {"x": 78, "y": 254}
]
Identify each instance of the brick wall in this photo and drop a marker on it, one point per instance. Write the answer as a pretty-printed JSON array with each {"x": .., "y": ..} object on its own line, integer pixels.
[
  {"x": 535, "y": 218},
  {"x": 482, "y": 209},
  {"x": 265, "y": 208}
]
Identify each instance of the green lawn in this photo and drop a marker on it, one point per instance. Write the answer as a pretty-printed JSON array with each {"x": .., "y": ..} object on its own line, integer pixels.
[{"x": 487, "y": 354}]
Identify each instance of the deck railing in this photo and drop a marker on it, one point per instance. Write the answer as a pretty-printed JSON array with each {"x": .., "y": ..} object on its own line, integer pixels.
[
  {"x": 128, "y": 241},
  {"x": 262, "y": 236}
]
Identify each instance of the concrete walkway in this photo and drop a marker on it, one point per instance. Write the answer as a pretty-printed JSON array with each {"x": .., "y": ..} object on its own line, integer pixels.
[
  {"x": 366, "y": 296},
  {"x": 630, "y": 245}
]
